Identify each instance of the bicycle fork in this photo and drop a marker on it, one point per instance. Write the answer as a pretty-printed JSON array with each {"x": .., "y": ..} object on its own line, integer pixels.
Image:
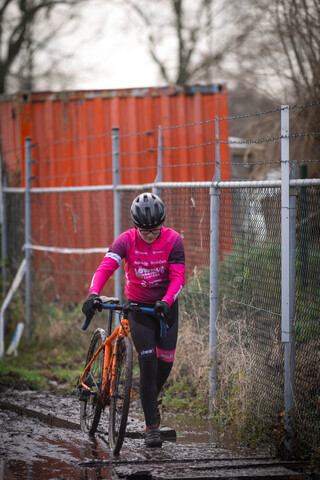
[{"x": 123, "y": 332}]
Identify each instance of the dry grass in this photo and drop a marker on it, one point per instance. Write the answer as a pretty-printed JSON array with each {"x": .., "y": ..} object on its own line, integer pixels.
[
  {"x": 61, "y": 327},
  {"x": 235, "y": 363},
  {"x": 235, "y": 370},
  {"x": 192, "y": 356}
]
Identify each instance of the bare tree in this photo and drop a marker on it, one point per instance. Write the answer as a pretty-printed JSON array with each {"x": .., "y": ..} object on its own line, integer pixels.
[
  {"x": 21, "y": 40},
  {"x": 282, "y": 56},
  {"x": 282, "y": 53},
  {"x": 188, "y": 39},
  {"x": 272, "y": 46},
  {"x": 297, "y": 26}
]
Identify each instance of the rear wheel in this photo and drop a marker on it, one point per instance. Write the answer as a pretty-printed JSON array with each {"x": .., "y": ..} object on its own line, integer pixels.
[
  {"x": 121, "y": 391},
  {"x": 90, "y": 405}
]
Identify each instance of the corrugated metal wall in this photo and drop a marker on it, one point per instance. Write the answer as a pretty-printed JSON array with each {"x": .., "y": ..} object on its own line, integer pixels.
[
  {"x": 72, "y": 131},
  {"x": 71, "y": 134}
]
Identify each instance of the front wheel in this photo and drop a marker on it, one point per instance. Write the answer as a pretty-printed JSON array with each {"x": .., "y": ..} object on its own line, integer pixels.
[
  {"x": 90, "y": 405},
  {"x": 121, "y": 391}
]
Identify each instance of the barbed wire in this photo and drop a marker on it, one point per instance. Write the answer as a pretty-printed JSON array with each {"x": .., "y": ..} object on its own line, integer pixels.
[
  {"x": 227, "y": 142},
  {"x": 249, "y": 115},
  {"x": 306, "y": 105},
  {"x": 248, "y": 141},
  {"x": 71, "y": 140},
  {"x": 153, "y": 167},
  {"x": 69, "y": 175},
  {"x": 17, "y": 165},
  {"x": 150, "y": 150},
  {"x": 92, "y": 157},
  {"x": 307, "y": 134},
  {"x": 71, "y": 159},
  {"x": 56, "y": 142},
  {"x": 189, "y": 146},
  {"x": 146, "y": 132},
  {"x": 194, "y": 124},
  {"x": 315, "y": 160},
  {"x": 235, "y": 117},
  {"x": 199, "y": 164},
  {"x": 13, "y": 150},
  {"x": 128, "y": 169}
]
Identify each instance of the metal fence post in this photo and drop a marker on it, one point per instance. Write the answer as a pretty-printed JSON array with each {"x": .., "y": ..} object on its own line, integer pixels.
[
  {"x": 158, "y": 178},
  {"x": 214, "y": 272},
  {"x": 116, "y": 202},
  {"x": 4, "y": 236},
  {"x": 28, "y": 235},
  {"x": 287, "y": 278},
  {"x": 289, "y": 347}
]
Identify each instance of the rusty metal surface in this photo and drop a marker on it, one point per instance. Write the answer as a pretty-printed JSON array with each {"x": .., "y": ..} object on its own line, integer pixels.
[{"x": 71, "y": 132}]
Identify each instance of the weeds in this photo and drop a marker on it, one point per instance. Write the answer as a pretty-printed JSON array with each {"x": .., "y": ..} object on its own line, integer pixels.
[
  {"x": 56, "y": 353},
  {"x": 250, "y": 357},
  {"x": 19, "y": 377}
]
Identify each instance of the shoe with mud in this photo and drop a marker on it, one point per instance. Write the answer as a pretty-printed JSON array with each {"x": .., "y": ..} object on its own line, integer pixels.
[{"x": 153, "y": 437}]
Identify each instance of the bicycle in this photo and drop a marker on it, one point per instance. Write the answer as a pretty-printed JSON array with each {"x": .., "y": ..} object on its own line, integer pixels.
[{"x": 107, "y": 377}]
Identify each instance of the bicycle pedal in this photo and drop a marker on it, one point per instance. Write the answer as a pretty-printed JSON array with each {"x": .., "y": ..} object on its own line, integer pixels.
[{"x": 82, "y": 393}]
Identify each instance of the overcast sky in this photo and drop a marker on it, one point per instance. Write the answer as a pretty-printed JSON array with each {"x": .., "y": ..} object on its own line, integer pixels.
[{"x": 106, "y": 52}]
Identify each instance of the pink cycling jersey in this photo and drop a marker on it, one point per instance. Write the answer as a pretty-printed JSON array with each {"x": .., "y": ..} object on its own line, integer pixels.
[{"x": 154, "y": 271}]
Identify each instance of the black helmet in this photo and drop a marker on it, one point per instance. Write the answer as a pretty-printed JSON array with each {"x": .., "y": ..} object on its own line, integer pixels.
[{"x": 148, "y": 211}]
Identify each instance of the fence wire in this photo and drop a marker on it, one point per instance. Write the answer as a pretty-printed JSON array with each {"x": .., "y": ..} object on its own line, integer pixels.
[
  {"x": 250, "y": 309},
  {"x": 250, "y": 351}
]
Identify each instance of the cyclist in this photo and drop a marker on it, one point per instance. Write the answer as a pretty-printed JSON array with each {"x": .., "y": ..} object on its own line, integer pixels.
[{"x": 154, "y": 261}]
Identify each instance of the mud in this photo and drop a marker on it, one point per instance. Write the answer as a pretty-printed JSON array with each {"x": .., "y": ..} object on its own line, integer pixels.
[{"x": 40, "y": 439}]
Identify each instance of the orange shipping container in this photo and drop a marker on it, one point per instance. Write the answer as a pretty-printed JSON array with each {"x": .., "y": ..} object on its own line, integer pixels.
[
  {"x": 71, "y": 134},
  {"x": 72, "y": 131}
]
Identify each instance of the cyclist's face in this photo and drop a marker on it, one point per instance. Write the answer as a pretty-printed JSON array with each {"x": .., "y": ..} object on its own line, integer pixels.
[{"x": 149, "y": 235}]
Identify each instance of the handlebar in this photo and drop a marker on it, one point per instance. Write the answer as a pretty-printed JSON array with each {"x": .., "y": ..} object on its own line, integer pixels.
[{"x": 113, "y": 306}]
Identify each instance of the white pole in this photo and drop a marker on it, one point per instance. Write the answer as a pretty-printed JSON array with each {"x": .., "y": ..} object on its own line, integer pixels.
[
  {"x": 285, "y": 224},
  {"x": 158, "y": 178},
  {"x": 214, "y": 273},
  {"x": 287, "y": 279},
  {"x": 28, "y": 234},
  {"x": 15, "y": 284},
  {"x": 116, "y": 202}
]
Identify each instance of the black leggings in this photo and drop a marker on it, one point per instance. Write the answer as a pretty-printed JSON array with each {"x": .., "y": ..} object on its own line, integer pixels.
[{"x": 155, "y": 355}]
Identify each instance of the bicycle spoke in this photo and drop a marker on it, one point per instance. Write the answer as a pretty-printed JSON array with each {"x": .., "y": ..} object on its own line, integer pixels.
[
  {"x": 90, "y": 407},
  {"x": 120, "y": 400}
]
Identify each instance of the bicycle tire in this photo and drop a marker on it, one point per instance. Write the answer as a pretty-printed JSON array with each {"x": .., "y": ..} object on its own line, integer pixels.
[
  {"x": 90, "y": 405},
  {"x": 120, "y": 400}
]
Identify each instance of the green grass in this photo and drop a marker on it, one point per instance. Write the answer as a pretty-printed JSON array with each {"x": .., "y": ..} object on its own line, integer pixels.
[
  {"x": 183, "y": 395},
  {"x": 45, "y": 368},
  {"x": 19, "y": 377},
  {"x": 56, "y": 353}
]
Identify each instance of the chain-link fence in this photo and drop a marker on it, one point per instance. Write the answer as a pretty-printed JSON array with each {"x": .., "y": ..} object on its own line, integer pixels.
[
  {"x": 250, "y": 349},
  {"x": 250, "y": 313},
  {"x": 250, "y": 290}
]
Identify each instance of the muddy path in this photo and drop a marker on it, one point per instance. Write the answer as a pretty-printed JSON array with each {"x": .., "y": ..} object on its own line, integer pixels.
[{"x": 40, "y": 439}]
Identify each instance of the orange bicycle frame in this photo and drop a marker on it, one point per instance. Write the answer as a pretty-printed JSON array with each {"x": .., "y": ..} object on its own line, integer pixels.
[{"x": 108, "y": 367}]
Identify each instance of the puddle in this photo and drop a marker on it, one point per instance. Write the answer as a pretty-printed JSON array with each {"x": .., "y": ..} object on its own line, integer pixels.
[{"x": 40, "y": 440}]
